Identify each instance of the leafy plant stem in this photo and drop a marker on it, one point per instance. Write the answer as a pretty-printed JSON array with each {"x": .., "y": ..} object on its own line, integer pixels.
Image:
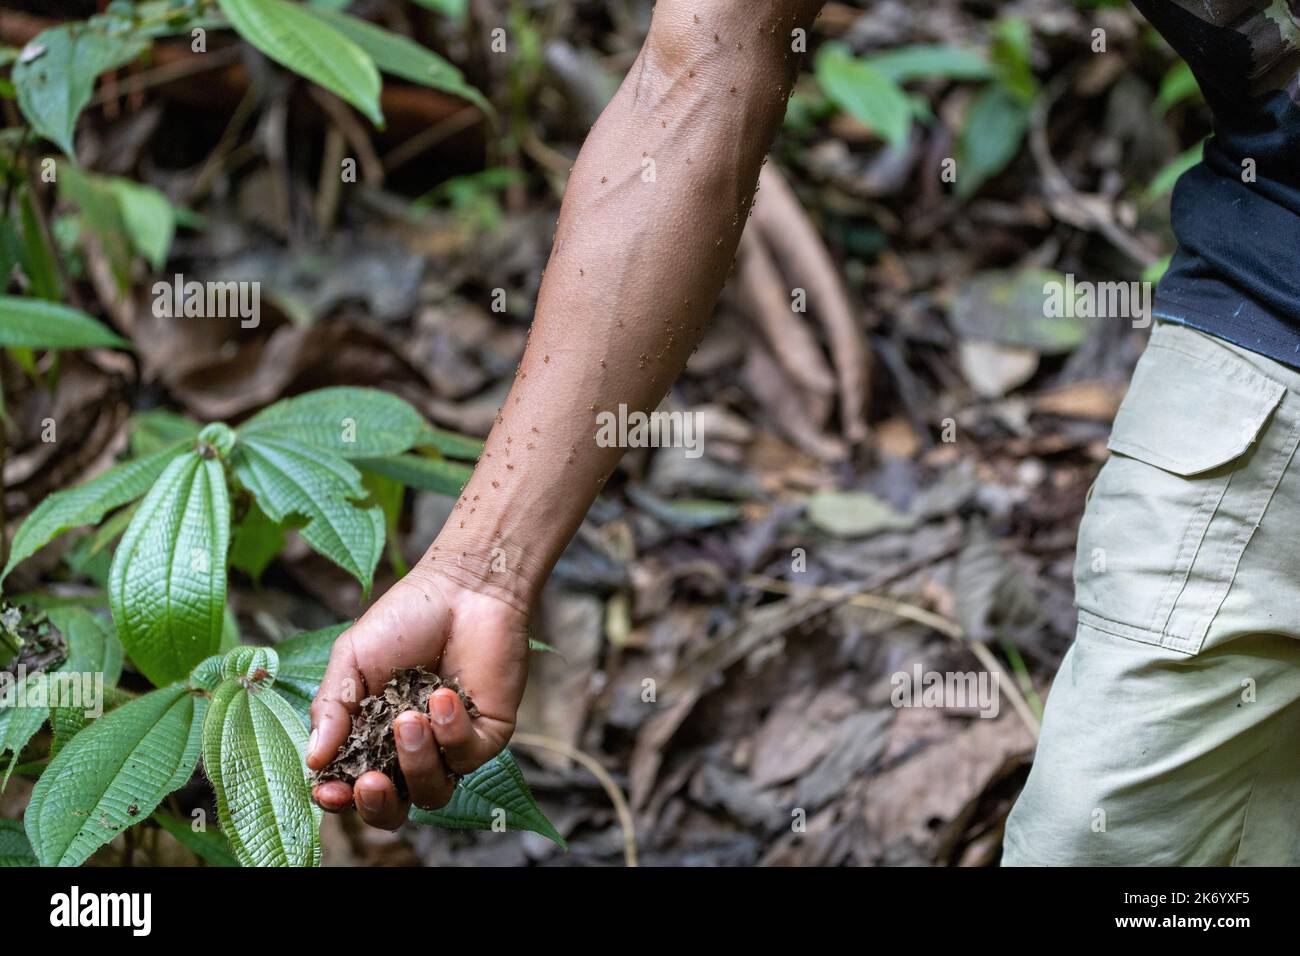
[{"x": 608, "y": 783}]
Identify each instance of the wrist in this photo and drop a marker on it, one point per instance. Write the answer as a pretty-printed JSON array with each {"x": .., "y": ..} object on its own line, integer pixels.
[{"x": 489, "y": 563}]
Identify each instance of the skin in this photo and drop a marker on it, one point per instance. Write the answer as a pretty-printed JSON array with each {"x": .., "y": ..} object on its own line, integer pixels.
[{"x": 633, "y": 277}]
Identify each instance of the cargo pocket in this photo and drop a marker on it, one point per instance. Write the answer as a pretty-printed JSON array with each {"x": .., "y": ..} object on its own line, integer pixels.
[{"x": 1171, "y": 512}]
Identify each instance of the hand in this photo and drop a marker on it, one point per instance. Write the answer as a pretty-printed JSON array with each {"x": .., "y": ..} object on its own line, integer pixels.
[{"x": 425, "y": 619}]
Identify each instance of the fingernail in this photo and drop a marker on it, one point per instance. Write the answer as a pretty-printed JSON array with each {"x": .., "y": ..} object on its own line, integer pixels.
[
  {"x": 311, "y": 741},
  {"x": 370, "y": 800},
  {"x": 444, "y": 708},
  {"x": 410, "y": 735}
]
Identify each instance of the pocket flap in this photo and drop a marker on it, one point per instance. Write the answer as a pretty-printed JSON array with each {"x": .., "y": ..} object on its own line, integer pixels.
[{"x": 1188, "y": 415}]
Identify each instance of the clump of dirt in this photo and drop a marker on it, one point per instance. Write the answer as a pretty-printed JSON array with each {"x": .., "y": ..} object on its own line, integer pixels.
[{"x": 371, "y": 746}]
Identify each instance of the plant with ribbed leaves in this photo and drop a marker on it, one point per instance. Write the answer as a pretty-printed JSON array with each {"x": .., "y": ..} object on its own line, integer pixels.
[{"x": 191, "y": 503}]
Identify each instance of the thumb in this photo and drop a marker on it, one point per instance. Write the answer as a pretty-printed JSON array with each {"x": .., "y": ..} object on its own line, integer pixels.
[{"x": 336, "y": 701}]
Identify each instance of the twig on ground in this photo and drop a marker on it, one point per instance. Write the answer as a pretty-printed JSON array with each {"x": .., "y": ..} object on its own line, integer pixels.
[{"x": 602, "y": 775}]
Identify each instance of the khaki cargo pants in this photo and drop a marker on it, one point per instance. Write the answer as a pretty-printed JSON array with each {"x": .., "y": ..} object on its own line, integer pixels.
[{"x": 1172, "y": 732}]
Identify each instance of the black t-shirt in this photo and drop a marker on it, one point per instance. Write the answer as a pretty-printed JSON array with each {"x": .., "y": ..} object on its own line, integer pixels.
[{"x": 1236, "y": 273}]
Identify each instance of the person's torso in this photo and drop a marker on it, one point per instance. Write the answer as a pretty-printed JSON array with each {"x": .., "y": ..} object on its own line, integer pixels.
[{"x": 1236, "y": 215}]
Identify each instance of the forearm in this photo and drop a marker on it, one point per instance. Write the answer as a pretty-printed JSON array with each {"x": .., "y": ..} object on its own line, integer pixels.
[{"x": 652, "y": 215}]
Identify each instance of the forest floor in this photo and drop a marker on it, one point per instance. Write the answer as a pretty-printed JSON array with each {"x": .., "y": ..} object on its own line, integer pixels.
[{"x": 891, "y": 480}]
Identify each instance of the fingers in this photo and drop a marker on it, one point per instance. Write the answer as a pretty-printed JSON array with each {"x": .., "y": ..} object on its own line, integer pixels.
[
  {"x": 335, "y": 703},
  {"x": 377, "y": 801},
  {"x": 333, "y": 796},
  {"x": 466, "y": 744},
  {"x": 417, "y": 753}
]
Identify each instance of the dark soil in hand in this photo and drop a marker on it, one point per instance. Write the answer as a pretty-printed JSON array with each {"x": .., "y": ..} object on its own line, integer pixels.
[{"x": 371, "y": 746}]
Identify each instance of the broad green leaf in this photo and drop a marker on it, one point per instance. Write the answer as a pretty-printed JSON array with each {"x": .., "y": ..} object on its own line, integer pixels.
[
  {"x": 995, "y": 127},
  {"x": 403, "y": 57},
  {"x": 55, "y": 75},
  {"x": 253, "y": 752},
  {"x": 94, "y": 656},
  {"x": 167, "y": 585},
  {"x": 497, "y": 785},
  {"x": 36, "y": 324},
  {"x": 930, "y": 61},
  {"x": 303, "y": 658},
  {"x": 449, "y": 443},
  {"x": 416, "y": 471},
  {"x": 87, "y": 503},
  {"x": 100, "y": 214},
  {"x": 149, "y": 217},
  {"x": 295, "y": 38},
  {"x": 207, "y": 844},
  {"x": 113, "y": 774},
  {"x": 24, "y": 708},
  {"x": 344, "y": 421},
  {"x": 255, "y": 667},
  {"x": 158, "y": 428},
  {"x": 92, "y": 645},
  {"x": 289, "y": 478},
  {"x": 865, "y": 93},
  {"x": 15, "y": 850},
  {"x": 65, "y": 723},
  {"x": 207, "y": 673},
  {"x": 257, "y": 540}
]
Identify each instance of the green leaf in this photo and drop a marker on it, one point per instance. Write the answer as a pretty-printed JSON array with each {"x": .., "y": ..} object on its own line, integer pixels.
[
  {"x": 995, "y": 128},
  {"x": 289, "y": 478},
  {"x": 403, "y": 57},
  {"x": 92, "y": 645},
  {"x": 87, "y": 503},
  {"x": 113, "y": 774},
  {"x": 167, "y": 585},
  {"x": 35, "y": 324},
  {"x": 456, "y": 9},
  {"x": 865, "y": 93},
  {"x": 65, "y": 723},
  {"x": 158, "y": 428},
  {"x": 19, "y": 719},
  {"x": 253, "y": 751},
  {"x": 854, "y": 514},
  {"x": 207, "y": 673},
  {"x": 255, "y": 667},
  {"x": 257, "y": 540},
  {"x": 207, "y": 844},
  {"x": 344, "y": 421},
  {"x": 303, "y": 658},
  {"x": 102, "y": 216},
  {"x": 15, "y": 850},
  {"x": 1165, "y": 179},
  {"x": 149, "y": 217},
  {"x": 416, "y": 471},
  {"x": 295, "y": 38},
  {"x": 55, "y": 75},
  {"x": 497, "y": 785},
  {"x": 36, "y": 255},
  {"x": 925, "y": 61},
  {"x": 449, "y": 443},
  {"x": 1178, "y": 84}
]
